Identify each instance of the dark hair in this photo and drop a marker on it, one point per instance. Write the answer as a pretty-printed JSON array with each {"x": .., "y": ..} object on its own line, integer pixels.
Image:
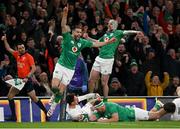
[
  {"x": 20, "y": 43},
  {"x": 76, "y": 27},
  {"x": 169, "y": 107},
  {"x": 97, "y": 102},
  {"x": 70, "y": 98}
]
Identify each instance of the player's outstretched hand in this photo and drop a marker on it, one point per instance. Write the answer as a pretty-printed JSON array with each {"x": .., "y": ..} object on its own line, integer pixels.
[
  {"x": 85, "y": 35},
  {"x": 140, "y": 33},
  {"x": 4, "y": 38}
]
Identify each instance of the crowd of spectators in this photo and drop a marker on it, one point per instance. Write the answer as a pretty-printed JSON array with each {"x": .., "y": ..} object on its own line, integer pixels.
[{"x": 36, "y": 23}]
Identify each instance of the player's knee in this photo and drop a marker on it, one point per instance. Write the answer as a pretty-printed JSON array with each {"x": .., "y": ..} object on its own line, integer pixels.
[
  {"x": 104, "y": 83},
  {"x": 34, "y": 99},
  {"x": 10, "y": 96},
  {"x": 92, "y": 81},
  {"x": 55, "y": 83}
]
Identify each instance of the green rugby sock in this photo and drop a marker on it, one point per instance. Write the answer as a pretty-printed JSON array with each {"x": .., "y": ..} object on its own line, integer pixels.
[
  {"x": 55, "y": 90},
  {"x": 57, "y": 94},
  {"x": 105, "y": 99},
  {"x": 58, "y": 97}
]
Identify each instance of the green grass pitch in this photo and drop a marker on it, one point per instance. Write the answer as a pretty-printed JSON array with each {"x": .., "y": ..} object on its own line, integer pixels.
[{"x": 140, "y": 124}]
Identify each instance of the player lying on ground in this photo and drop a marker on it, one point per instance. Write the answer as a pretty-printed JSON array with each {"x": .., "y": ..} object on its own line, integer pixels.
[
  {"x": 112, "y": 112},
  {"x": 75, "y": 111}
]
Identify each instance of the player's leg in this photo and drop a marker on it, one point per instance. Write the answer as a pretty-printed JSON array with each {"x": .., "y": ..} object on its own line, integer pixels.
[
  {"x": 104, "y": 82},
  {"x": 93, "y": 78},
  {"x": 12, "y": 92},
  {"x": 94, "y": 75},
  {"x": 55, "y": 83},
  {"x": 141, "y": 114},
  {"x": 106, "y": 70},
  {"x": 61, "y": 78},
  {"x": 38, "y": 102},
  {"x": 31, "y": 92},
  {"x": 57, "y": 93}
]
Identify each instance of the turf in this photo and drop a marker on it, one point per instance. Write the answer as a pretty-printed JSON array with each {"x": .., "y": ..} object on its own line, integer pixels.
[{"x": 141, "y": 124}]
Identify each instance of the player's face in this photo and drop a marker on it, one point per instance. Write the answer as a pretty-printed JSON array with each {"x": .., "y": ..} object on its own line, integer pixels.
[
  {"x": 75, "y": 100},
  {"x": 110, "y": 26},
  {"x": 101, "y": 109},
  {"x": 21, "y": 49},
  {"x": 77, "y": 33}
]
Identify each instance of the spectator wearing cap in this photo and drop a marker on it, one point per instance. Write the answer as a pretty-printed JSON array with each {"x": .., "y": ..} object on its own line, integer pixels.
[
  {"x": 154, "y": 86},
  {"x": 134, "y": 82},
  {"x": 116, "y": 88}
]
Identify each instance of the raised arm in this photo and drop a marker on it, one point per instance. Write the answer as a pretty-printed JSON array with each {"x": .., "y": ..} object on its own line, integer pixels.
[
  {"x": 64, "y": 26},
  {"x": 6, "y": 44},
  {"x": 88, "y": 96},
  {"x": 125, "y": 32}
]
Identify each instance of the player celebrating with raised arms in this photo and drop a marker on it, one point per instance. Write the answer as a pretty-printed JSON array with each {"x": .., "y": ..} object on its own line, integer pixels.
[
  {"x": 71, "y": 47},
  {"x": 104, "y": 62}
]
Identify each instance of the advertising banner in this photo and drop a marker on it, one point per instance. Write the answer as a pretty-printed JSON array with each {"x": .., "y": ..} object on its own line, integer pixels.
[{"x": 28, "y": 111}]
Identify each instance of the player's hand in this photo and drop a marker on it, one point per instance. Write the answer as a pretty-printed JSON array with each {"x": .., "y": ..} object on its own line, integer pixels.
[
  {"x": 97, "y": 96},
  {"x": 150, "y": 72},
  {"x": 102, "y": 119},
  {"x": 65, "y": 10},
  {"x": 4, "y": 38},
  {"x": 165, "y": 73},
  {"x": 85, "y": 35},
  {"x": 25, "y": 80},
  {"x": 139, "y": 33}
]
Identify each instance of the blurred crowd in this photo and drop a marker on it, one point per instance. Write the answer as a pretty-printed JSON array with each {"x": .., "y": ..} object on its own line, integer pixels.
[{"x": 145, "y": 65}]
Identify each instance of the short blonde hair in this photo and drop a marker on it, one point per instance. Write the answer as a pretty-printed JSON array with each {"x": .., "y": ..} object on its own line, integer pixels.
[{"x": 114, "y": 23}]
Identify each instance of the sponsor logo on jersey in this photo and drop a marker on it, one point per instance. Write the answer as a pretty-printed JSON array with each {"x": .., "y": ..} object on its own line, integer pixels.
[
  {"x": 74, "y": 49},
  {"x": 106, "y": 39}
]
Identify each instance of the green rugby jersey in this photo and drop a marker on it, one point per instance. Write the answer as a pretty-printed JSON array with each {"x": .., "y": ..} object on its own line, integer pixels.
[
  {"x": 108, "y": 51},
  {"x": 71, "y": 49},
  {"x": 125, "y": 114}
]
